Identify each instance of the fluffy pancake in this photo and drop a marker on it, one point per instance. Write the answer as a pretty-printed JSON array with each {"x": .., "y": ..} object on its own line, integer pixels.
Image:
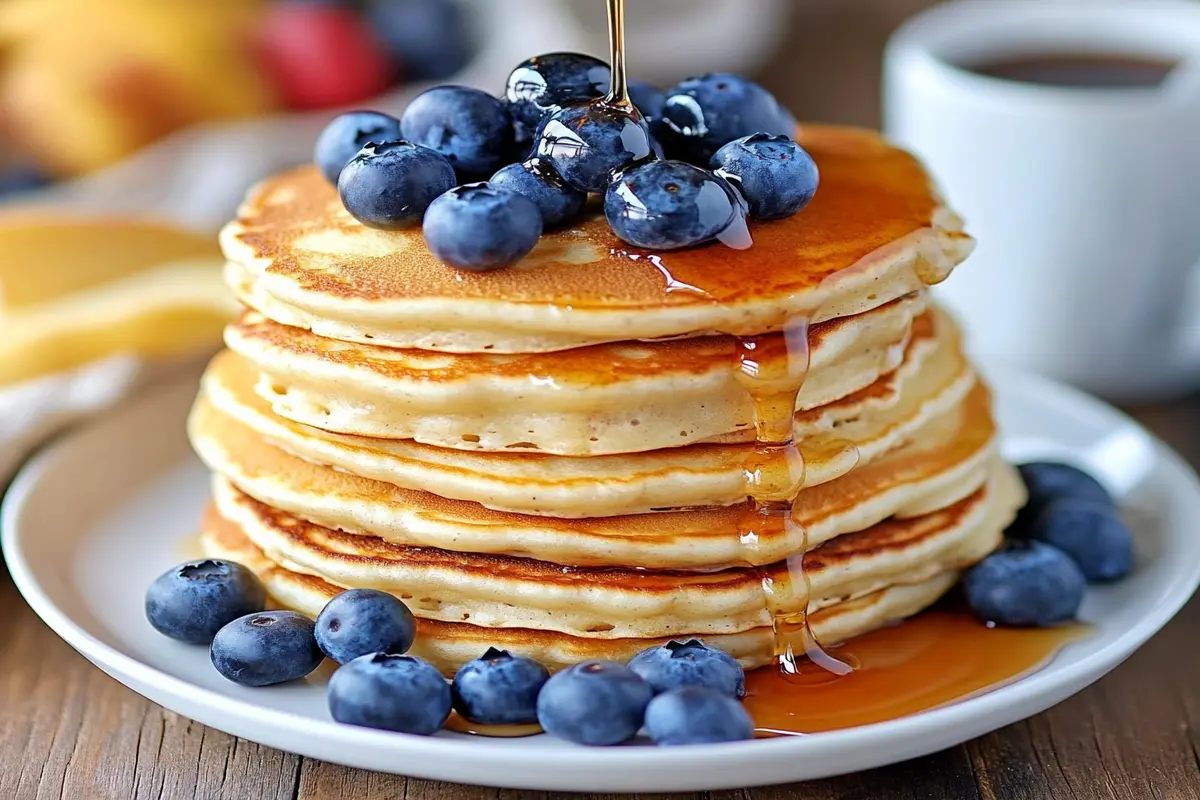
[
  {"x": 946, "y": 461},
  {"x": 833, "y": 440},
  {"x": 611, "y": 398},
  {"x": 450, "y": 644},
  {"x": 607, "y": 603},
  {"x": 875, "y": 232}
]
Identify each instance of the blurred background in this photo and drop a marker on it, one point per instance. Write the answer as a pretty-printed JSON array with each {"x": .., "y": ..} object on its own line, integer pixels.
[
  {"x": 130, "y": 130},
  {"x": 97, "y": 99}
]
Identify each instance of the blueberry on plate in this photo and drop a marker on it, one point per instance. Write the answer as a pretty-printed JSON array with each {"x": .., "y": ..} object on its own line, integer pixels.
[
  {"x": 594, "y": 703},
  {"x": 1091, "y": 533},
  {"x": 665, "y": 205},
  {"x": 390, "y": 692},
  {"x": 701, "y": 115},
  {"x": 1052, "y": 480},
  {"x": 690, "y": 663},
  {"x": 697, "y": 715},
  {"x": 775, "y": 176},
  {"x": 559, "y": 203},
  {"x": 361, "y": 621},
  {"x": 430, "y": 38},
  {"x": 647, "y": 97},
  {"x": 543, "y": 84},
  {"x": 266, "y": 648},
  {"x": 1025, "y": 584},
  {"x": 588, "y": 143},
  {"x": 469, "y": 127},
  {"x": 192, "y": 601},
  {"x": 499, "y": 688},
  {"x": 390, "y": 184},
  {"x": 346, "y": 134},
  {"x": 1047, "y": 481},
  {"x": 478, "y": 227}
]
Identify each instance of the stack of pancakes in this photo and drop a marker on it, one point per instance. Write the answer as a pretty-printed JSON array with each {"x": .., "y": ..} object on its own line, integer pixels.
[{"x": 567, "y": 458}]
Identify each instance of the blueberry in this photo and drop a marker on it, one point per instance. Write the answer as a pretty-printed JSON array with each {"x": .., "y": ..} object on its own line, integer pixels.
[
  {"x": 542, "y": 85},
  {"x": 701, "y": 115},
  {"x": 1090, "y": 533},
  {"x": 664, "y": 205},
  {"x": 537, "y": 180},
  {"x": 1047, "y": 481},
  {"x": 346, "y": 134},
  {"x": 775, "y": 176},
  {"x": 20, "y": 179},
  {"x": 194, "y": 600},
  {"x": 430, "y": 38},
  {"x": 362, "y": 621},
  {"x": 390, "y": 184},
  {"x": 499, "y": 688},
  {"x": 1025, "y": 583},
  {"x": 588, "y": 143},
  {"x": 266, "y": 648},
  {"x": 690, "y": 663},
  {"x": 595, "y": 703},
  {"x": 1052, "y": 480},
  {"x": 647, "y": 97},
  {"x": 697, "y": 715},
  {"x": 478, "y": 227},
  {"x": 467, "y": 126},
  {"x": 390, "y": 692}
]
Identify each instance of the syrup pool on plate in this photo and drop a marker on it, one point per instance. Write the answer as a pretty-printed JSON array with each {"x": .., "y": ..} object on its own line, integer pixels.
[
  {"x": 462, "y": 725},
  {"x": 938, "y": 657}
]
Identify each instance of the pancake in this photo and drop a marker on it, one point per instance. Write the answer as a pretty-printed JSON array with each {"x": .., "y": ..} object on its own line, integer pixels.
[
  {"x": 607, "y": 603},
  {"x": 612, "y": 398},
  {"x": 833, "y": 440},
  {"x": 875, "y": 231},
  {"x": 448, "y": 645},
  {"x": 946, "y": 461}
]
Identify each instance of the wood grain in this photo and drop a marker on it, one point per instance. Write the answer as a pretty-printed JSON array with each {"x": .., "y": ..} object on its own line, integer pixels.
[{"x": 69, "y": 731}]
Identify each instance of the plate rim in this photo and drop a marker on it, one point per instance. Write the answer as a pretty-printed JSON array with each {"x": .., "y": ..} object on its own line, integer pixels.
[{"x": 569, "y": 763}]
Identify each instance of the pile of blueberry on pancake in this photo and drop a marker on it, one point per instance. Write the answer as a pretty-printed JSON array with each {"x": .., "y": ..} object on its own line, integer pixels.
[{"x": 485, "y": 176}]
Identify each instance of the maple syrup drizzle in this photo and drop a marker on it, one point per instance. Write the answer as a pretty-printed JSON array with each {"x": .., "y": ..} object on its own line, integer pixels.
[
  {"x": 618, "y": 93},
  {"x": 935, "y": 658},
  {"x": 938, "y": 657},
  {"x": 772, "y": 369}
]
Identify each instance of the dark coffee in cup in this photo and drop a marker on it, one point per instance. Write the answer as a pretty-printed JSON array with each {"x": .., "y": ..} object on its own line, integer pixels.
[{"x": 1083, "y": 70}]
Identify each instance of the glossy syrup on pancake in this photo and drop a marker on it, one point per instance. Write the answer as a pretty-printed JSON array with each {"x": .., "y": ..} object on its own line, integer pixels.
[
  {"x": 938, "y": 657},
  {"x": 772, "y": 369},
  {"x": 775, "y": 474}
]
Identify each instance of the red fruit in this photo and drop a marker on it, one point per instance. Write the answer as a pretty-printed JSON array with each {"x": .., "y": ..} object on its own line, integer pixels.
[{"x": 318, "y": 56}]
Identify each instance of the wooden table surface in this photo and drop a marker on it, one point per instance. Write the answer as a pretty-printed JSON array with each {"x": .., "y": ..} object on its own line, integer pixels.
[{"x": 69, "y": 731}]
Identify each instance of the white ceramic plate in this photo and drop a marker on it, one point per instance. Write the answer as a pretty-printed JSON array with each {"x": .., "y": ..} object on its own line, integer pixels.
[{"x": 92, "y": 520}]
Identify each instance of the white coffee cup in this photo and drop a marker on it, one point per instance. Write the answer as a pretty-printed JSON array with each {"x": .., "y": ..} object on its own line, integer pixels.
[{"x": 1085, "y": 201}]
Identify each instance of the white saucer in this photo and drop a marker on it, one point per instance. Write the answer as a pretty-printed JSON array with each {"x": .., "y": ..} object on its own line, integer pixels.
[{"x": 92, "y": 520}]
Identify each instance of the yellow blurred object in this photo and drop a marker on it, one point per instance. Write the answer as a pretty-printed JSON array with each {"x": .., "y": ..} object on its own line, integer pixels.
[
  {"x": 78, "y": 292},
  {"x": 45, "y": 256},
  {"x": 85, "y": 84}
]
